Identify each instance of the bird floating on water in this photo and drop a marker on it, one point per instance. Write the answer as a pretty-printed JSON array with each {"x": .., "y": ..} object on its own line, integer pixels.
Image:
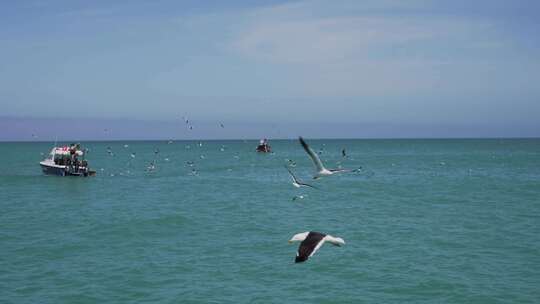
[
  {"x": 311, "y": 241},
  {"x": 321, "y": 170},
  {"x": 297, "y": 197}
]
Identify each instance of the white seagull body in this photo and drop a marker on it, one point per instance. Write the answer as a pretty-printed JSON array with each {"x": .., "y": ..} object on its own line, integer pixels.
[
  {"x": 311, "y": 241},
  {"x": 321, "y": 170}
]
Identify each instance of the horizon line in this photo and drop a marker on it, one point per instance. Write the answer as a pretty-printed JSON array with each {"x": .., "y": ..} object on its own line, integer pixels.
[{"x": 278, "y": 139}]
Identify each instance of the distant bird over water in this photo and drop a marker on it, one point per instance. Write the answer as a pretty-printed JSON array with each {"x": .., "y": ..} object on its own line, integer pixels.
[
  {"x": 321, "y": 170},
  {"x": 291, "y": 163},
  {"x": 297, "y": 197},
  {"x": 311, "y": 241}
]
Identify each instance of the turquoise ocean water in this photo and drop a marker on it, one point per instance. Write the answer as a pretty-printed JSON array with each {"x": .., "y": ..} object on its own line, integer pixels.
[{"x": 425, "y": 221}]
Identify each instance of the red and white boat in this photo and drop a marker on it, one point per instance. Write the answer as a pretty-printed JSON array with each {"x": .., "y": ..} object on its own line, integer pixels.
[{"x": 66, "y": 161}]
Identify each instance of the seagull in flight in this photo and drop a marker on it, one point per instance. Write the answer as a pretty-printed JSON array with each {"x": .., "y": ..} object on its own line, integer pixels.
[
  {"x": 296, "y": 182},
  {"x": 311, "y": 241},
  {"x": 321, "y": 170}
]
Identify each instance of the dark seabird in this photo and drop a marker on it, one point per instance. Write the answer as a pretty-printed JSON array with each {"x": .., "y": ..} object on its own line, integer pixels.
[
  {"x": 311, "y": 241},
  {"x": 357, "y": 170},
  {"x": 321, "y": 170},
  {"x": 291, "y": 163}
]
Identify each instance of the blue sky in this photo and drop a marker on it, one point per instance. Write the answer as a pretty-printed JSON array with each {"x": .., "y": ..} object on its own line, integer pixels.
[{"x": 407, "y": 63}]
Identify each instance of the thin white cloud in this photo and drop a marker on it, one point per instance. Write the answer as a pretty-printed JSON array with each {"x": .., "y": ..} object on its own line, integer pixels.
[
  {"x": 333, "y": 51},
  {"x": 326, "y": 40}
]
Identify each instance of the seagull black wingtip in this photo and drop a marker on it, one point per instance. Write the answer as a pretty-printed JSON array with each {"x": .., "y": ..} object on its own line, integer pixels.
[
  {"x": 300, "y": 259},
  {"x": 303, "y": 142}
]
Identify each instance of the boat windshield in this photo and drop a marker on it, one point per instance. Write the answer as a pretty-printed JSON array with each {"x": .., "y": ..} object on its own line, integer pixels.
[{"x": 51, "y": 155}]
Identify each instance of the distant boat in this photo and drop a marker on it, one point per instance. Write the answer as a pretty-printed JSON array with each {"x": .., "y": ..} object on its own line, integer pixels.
[
  {"x": 263, "y": 146},
  {"x": 64, "y": 161}
]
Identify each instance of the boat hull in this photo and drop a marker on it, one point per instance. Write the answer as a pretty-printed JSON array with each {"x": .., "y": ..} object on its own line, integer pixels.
[
  {"x": 63, "y": 171},
  {"x": 263, "y": 149}
]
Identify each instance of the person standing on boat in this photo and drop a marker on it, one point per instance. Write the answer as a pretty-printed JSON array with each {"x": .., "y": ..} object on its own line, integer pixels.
[{"x": 73, "y": 155}]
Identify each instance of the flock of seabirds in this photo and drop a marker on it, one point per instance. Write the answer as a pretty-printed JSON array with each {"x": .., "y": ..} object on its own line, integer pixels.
[{"x": 310, "y": 241}]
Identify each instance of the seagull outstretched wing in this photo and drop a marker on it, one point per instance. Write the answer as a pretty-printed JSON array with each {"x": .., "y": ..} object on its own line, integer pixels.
[
  {"x": 295, "y": 180},
  {"x": 314, "y": 157}
]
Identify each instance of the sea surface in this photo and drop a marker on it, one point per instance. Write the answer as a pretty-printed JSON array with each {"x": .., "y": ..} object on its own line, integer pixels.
[{"x": 425, "y": 221}]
